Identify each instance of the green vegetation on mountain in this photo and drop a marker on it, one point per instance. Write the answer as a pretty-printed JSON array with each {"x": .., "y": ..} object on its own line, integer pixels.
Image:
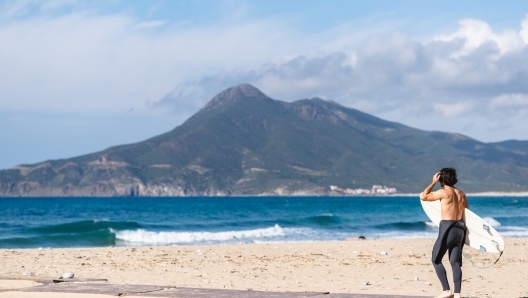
[{"x": 243, "y": 142}]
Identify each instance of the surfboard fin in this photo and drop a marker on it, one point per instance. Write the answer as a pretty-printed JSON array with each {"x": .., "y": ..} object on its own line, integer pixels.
[
  {"x": 482, "y": 249},
  {"x": 485, "y": 227}
]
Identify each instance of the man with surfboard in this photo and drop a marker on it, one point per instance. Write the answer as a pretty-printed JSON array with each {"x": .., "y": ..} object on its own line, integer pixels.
[{"x": 452, "y": 229}]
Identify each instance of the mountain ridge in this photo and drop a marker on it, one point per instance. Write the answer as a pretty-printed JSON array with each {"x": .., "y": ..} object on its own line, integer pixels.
[{"x": 244, "y": 143}]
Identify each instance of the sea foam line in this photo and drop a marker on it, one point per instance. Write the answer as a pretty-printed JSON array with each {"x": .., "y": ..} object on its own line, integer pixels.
[{"x": 144, "y": 236}]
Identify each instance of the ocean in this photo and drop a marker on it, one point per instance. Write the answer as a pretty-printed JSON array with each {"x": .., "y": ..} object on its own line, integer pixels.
[{"x": 133, "y": 221}]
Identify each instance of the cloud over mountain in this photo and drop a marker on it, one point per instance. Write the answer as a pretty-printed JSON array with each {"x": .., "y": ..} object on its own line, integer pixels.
[
  {"x": 472, "y": 71},
  {"x": 69, "y": 64}
]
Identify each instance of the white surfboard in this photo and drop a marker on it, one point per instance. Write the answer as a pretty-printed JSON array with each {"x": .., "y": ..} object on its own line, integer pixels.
[{"x": 480, "y": 235}]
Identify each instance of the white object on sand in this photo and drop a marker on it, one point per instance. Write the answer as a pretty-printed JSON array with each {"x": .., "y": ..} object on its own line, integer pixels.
[
  {"x": 383, "y": 253},
  {"x": 480, "y": 235},
  {"x": 67, "y": 275}
]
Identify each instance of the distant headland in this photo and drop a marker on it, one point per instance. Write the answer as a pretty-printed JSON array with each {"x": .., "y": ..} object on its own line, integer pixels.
[{"x": 245, "y": 143}]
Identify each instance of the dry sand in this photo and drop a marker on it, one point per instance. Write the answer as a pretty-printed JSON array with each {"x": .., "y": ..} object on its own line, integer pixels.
[{"x": 337, "y": 267}]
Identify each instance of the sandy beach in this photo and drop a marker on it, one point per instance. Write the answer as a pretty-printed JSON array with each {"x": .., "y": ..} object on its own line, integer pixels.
[{"x": 336, "y": 267}]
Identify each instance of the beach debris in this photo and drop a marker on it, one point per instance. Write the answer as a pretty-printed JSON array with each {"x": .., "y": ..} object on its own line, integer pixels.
[
  {"x": 383, "y": 253},
  {"x": 362, "y": 237},
  {"x": 365, "y": 283},
  {"x": 296, "y": 281},
  {"x": 30, "y": 273},
  {"x": 21, "y": 266},
  {"x": 428, "y": 283},
  {"x": 416, "y": 279},
  {"x": 395, "y": 278},
  {"x": 430, "y": 270},
  {"x": 67, "y": 275}
]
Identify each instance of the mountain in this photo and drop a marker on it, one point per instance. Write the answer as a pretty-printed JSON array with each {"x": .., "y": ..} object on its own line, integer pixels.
[{"x": 243, "y": 142}]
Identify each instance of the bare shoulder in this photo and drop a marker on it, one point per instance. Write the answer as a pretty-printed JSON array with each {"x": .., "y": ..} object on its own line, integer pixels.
[
  {"x": 460, "y": 193},
  {"x": 462, "y": 197},
  {"x": 440, "y": 194},
  {"x": 433, "y": 196}
]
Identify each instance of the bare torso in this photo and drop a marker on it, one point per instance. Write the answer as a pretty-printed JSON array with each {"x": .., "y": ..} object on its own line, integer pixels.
[
  {"x": 452, "y": 199},
  {"x": 453, "y": 202}
]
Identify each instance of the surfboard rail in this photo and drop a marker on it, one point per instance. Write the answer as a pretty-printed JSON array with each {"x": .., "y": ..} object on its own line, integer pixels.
[{"x": 480, "y": 235}]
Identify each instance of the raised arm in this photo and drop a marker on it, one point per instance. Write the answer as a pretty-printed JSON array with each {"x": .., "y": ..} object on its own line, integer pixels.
[{"x": 427, "y": 194}]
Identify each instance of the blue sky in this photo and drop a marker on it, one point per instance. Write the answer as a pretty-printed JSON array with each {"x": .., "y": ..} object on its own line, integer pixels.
[{"x": 80, "y": 76}]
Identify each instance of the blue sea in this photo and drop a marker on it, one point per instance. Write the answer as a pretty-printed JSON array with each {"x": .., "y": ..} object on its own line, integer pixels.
[{"x": 91, "y": 222}]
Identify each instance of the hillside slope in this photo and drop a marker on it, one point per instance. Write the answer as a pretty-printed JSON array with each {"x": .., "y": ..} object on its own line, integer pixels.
[{"x": 243, "y": 142}]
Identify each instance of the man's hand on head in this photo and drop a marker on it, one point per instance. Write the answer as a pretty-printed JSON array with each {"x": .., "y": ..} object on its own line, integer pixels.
[
  {"x": 436, "y": 178},
  {"x": 427, "y": 195}
]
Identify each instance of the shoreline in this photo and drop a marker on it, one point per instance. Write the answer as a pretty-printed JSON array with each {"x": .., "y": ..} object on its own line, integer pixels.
[
  {"x": 469, "y": 194},
  {"x": 389, "y": 265},
  {"x": 472, "y": 194}
]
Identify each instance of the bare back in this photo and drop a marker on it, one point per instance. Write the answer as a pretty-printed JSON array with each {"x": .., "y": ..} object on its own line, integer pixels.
[{"x": 453, "y": 202}]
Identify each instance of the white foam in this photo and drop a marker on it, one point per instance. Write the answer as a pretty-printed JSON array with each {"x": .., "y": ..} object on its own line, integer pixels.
[
  {"x": 431, "y": 224},
  {"x": 513, "y": 231},
  {"x": 144, "y": 236},
  {"x": 327, "y": 215},
  {"x": 491, "y": 221}
]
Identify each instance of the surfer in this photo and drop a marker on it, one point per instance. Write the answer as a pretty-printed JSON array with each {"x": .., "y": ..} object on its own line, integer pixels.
[{"x": 452, "y": 230}]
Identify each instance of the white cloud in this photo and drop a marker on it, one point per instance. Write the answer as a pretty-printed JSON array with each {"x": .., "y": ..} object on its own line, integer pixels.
[
  {"x": 524, "y": 31},
  {"x": 453, "y": 110},
  {"x": 457, "y": 76},
  {"x": 112, "y": 63},
  {"x": 82, "y": 62},
  {"x": 475, "y": 33},
  {"x": 510, "y": 101}
]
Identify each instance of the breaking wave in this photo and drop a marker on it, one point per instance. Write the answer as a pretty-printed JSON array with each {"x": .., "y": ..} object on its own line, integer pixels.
[
  {"x": 150, "y": 237},
  {"x": 513, "y": 231}
]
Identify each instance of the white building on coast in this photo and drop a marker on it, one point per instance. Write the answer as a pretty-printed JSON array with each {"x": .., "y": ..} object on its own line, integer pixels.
[{"x": 376, "y": 190}]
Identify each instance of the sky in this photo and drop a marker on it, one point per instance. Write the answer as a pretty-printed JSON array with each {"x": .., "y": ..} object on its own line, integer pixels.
[{"x": 81, "y": 76}]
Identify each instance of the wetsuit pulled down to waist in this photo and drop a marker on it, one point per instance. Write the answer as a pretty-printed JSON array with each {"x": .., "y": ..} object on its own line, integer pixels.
[{"x": 451, "y": 236}]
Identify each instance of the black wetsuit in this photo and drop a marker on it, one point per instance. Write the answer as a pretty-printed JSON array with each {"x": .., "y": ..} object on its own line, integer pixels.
[{"x": 451, "y": 236}]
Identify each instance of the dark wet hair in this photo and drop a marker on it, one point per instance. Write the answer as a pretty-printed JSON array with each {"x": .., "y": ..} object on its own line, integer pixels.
[{"x": 448, "y": 176}]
